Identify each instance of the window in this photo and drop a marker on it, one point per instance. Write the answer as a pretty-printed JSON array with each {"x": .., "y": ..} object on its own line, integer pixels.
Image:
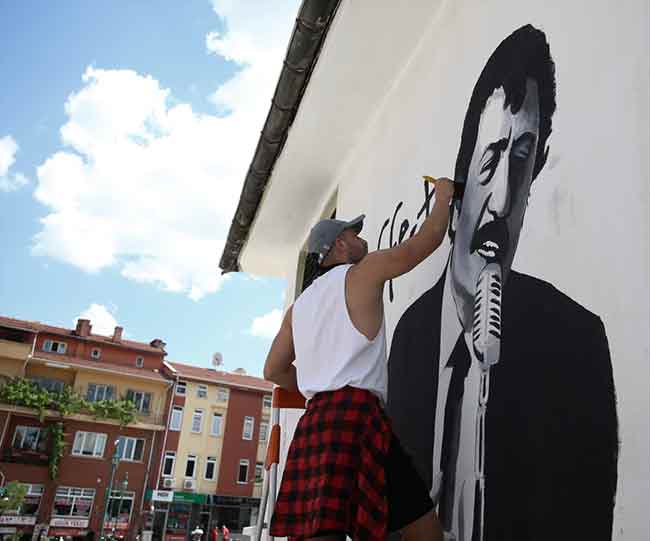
[
  {"x": 55, "y": 347},
  {"x": 73, "y": 502},
  {"x": 215, "y": 428},
  {"x": 176, "y": 419},
  {"x": 49, "y": 384},
  {"x": 28, "y": 438},
  {"x": 31, "y": 502},
  {"x": 130, "y": 448},
  {"x": 210, "y": 468},
  {"x": 264, "y": 431},
  {"x": 139, "y": 362},
  {"x": 249, "y": 423},
  {"x": 197, "y": 421},
  {"x": 181, "y": 388},
  {"x": 119, "y": 507},
  {"x": 222, "y": 395},
  {"x": 168, "y": 464},
  {"x": 96, "y": 354},
  {"x": 89, "y": 444},
  {"x": 99, "y": 391},
  {"x": 242, "y": 476},
  {"x": 259, "y": 472},
  {"x": 190, "y": 466},
  {"x": 202, "y": 391},
  {"x": 141, "y": 400},
  {"x": 267, "y": 401}
]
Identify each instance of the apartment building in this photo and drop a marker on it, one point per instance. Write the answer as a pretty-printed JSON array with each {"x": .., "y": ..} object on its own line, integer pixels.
[
  {"x": 213, "y": 453},
  {"x": 68, "y": 498}
]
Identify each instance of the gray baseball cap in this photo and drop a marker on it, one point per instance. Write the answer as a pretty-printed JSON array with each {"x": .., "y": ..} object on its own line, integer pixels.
[{"x": 324, "y": 233}]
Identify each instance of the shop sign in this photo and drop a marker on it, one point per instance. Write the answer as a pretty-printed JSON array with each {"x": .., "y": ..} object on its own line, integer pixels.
[
  {"x": 116, "y": 526},
  {"x": 71, "y": 532},
  {"x": 175, "y": 537},
  {"x": 69, "y": 522},
  {"x": 189, "y": 497},
  {"x": 17, "y": 519},
  {"x": 7, "y": 530},
  {"x": 162, "y": 495}
]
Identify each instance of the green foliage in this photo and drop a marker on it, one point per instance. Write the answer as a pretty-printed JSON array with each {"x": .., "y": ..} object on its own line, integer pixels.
[
  {"x": 120, "y": 410},
  {"x": 55, "y": 431},
  {"x": 11, "y": 496},
  {"x": 22, "y": 392}
]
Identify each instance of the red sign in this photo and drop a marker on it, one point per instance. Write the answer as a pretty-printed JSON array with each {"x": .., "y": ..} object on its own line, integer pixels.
[
  {"x": 175, "y": 537},
  {"x": 118, "y": 526},
  {"x": 72, "y": 532}
]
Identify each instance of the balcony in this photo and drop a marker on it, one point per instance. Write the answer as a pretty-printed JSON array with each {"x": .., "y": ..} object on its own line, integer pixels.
[
  {"x": 24, "y": 456},
  {"x": 150, "y": 417},
  {"x": 11, "y": 349}
]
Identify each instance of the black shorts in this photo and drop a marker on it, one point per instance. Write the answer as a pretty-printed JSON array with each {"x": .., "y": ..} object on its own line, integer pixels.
[{"x": 407, "y": 495}]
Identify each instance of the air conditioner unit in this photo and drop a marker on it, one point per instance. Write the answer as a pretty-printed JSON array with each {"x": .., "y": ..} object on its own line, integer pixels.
[
  {"x": 168, "y": 482},
  {"x": 189, "y": 484}
]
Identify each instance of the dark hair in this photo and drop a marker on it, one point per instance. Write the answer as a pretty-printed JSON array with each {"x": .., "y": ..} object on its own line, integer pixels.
[{"x": 524, "y": 54}]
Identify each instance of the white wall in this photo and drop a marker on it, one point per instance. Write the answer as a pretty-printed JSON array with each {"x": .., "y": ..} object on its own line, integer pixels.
[{"x": 586, "y": 229}]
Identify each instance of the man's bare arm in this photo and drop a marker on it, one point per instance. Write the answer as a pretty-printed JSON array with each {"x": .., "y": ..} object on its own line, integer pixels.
[
  {"x": 382, "y": 265},
  {"x": 279, "y": 367}
]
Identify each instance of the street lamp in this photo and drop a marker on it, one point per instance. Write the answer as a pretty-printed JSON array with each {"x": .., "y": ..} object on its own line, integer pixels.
[
  {"x": 124, "y": 485},
  {"x": 115, "y": 460}
]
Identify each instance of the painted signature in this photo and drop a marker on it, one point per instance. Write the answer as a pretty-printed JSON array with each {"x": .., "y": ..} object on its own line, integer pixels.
[{"x": 394, "y": 238}]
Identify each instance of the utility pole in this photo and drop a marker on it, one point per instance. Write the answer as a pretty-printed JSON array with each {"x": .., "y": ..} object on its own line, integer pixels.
[{"x": 109, "y": 489}]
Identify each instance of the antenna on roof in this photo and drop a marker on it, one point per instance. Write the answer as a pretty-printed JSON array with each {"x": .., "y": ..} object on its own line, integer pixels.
[{"x": 217, "y": 360}]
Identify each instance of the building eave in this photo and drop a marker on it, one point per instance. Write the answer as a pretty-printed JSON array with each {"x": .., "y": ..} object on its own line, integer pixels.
[{"x": 307, "y": 38}]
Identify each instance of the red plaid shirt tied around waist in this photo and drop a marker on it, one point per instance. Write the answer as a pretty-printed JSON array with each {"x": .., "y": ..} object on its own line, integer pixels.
[{"x": 334, "y": 478}]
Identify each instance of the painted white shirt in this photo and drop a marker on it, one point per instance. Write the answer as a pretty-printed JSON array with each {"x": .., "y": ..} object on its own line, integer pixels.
[{"x": 450, "y": 330}]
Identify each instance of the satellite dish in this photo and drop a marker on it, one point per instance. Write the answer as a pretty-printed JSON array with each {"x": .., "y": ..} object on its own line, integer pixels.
[{"x": 217, "y": 359}]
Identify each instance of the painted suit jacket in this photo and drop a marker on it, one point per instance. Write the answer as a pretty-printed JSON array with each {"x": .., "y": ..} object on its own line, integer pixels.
[{"x": 551, "y": 426}]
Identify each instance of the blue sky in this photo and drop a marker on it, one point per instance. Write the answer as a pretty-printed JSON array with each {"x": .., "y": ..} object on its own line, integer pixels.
[{"x": 125, "y": 132}]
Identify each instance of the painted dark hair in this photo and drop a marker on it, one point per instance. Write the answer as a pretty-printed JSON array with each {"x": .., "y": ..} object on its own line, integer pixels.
[{"x": 524, "y": 54}]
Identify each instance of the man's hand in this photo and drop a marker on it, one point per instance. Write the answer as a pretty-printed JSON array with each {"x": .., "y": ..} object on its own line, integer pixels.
[{"x": 444, "y": 188}]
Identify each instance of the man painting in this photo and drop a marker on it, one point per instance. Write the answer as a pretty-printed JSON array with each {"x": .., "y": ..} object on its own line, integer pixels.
[{"x": 499, "y": 384}]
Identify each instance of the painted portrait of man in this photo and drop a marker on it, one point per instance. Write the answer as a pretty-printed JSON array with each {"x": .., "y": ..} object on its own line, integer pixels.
[{"x": 500, "y": 385}]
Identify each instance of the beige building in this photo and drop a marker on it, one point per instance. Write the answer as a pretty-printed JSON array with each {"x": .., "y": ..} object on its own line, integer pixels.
[{"x": 214, "y": 448}]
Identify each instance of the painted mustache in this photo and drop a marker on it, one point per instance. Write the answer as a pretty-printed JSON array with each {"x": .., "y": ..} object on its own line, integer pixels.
[{"x": 491, "y": 241}]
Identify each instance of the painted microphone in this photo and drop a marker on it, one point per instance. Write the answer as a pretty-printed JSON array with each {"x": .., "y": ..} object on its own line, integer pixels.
[{"x": 486, "y": 326}]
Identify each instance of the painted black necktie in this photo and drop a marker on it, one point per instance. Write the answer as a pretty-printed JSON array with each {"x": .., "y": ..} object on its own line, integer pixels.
[{"x": 460, "y": 362}]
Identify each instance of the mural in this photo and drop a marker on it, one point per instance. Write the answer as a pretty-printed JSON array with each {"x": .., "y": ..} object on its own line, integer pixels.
[{"x": 500, "y": 385}]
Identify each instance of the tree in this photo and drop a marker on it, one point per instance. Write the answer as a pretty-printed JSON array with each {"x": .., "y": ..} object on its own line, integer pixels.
[{"x": 11, "y": 496}]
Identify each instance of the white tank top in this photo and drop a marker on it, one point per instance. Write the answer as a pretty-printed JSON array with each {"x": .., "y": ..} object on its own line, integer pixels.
[{"x": 330, "y": 352}]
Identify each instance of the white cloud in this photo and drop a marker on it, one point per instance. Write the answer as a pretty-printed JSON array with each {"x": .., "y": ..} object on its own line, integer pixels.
[
  {"x": 148, "y": 185},
  {"x": 9, "y": 182},
  {"x": 268, "y": 325},
  {"x": 101, "y": 319}
]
